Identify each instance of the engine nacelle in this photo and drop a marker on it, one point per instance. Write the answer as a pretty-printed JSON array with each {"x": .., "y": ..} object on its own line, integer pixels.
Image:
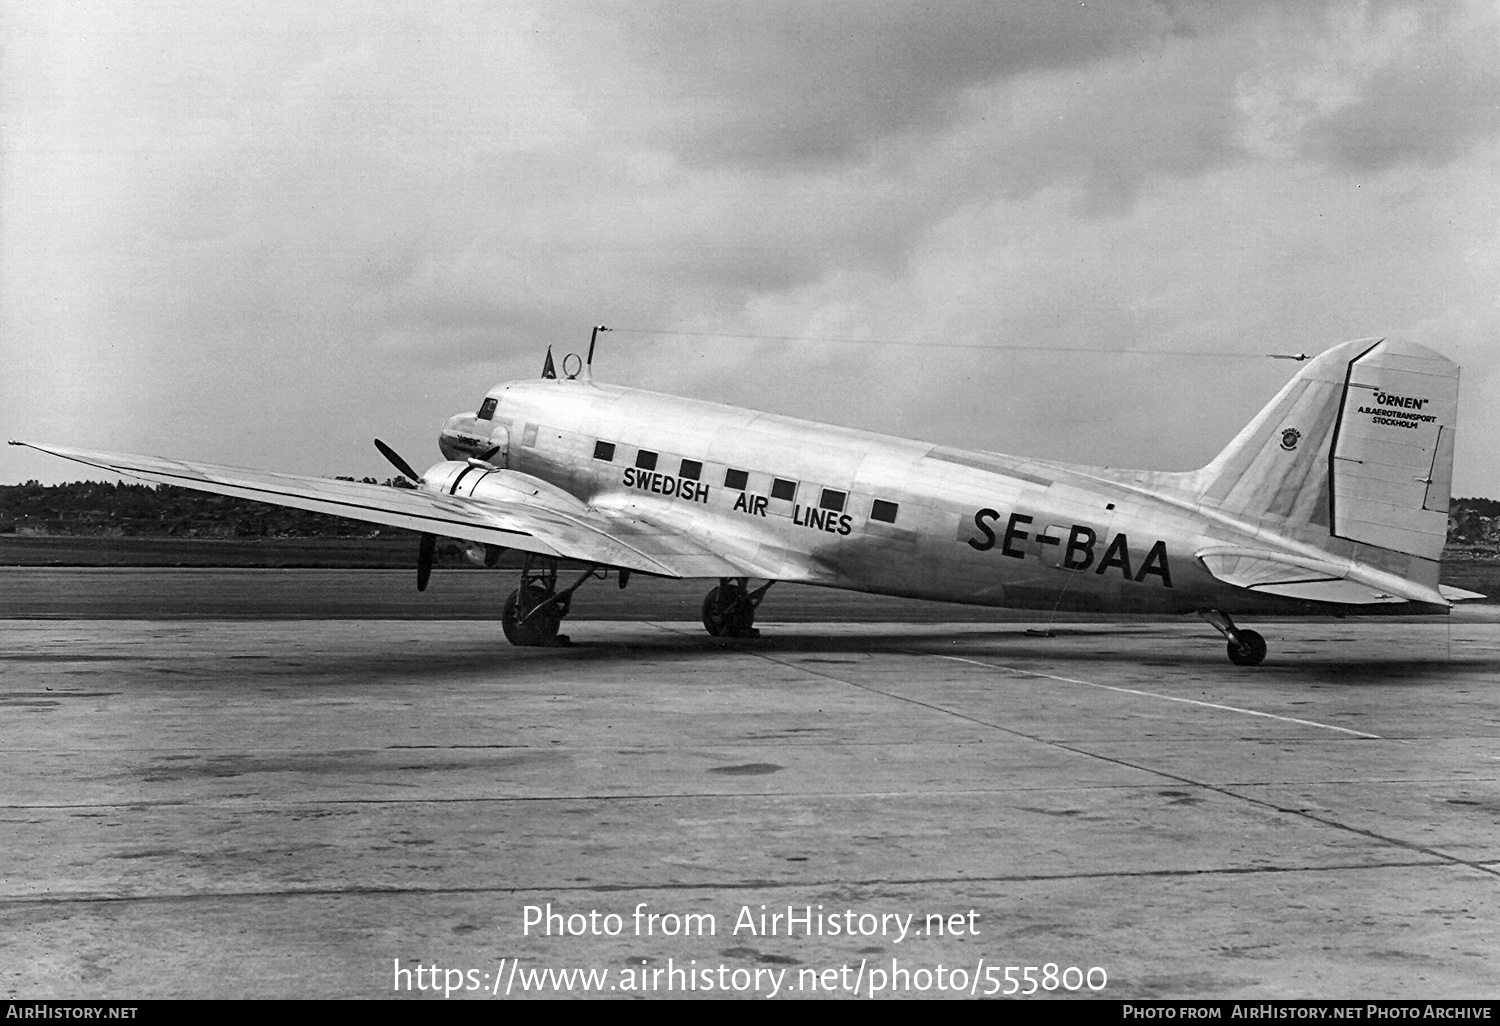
[
  {"x": 477, "y": 481},
  {"x": 487, "y": 556}
]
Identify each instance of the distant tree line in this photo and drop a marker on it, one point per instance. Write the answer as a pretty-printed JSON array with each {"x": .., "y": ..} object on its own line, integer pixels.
[
  {"x": 1474, "y": 522},
  {"x": 94, "y": 508},
  {"x": 1480, "y": 507}
]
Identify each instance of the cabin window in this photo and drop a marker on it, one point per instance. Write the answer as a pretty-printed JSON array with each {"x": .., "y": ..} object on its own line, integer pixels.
[
  {"x": 528, "y": 437},
  {"x": 604, "y": 451},
  {"x": 645, "y": 460},
  {"x": 884, "y": 511},
  {"x": 832, "y": 500},
  {"x": 690, "y": 470},
  {"x": 781, "y": 488},
  {"x": 487, "y": 409},
  {"x": 736, "y": 479}
]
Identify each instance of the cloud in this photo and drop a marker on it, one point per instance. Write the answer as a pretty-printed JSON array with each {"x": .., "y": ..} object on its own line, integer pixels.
[
  {"x": 791, "y": 84},
  {"x": 1375, "y": 87},
  {"x": 1424, "y": 115}
]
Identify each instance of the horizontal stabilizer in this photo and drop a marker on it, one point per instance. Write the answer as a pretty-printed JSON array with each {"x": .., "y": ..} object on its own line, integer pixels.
[
  {"x": 1453, "y": 594},
  {"x": 1344, "y": 593},
  {"x": 1313, "y": 580}
]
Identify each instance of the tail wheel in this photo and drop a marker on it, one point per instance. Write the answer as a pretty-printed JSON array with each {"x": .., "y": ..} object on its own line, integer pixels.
[
  {"x": 538, "y": 629},
  {"x": 1247, "y": 648},
  {"x": 729, "y": 612}
]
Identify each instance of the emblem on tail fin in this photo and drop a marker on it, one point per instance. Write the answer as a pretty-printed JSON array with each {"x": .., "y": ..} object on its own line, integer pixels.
[{"x": 1289, "y": 439}]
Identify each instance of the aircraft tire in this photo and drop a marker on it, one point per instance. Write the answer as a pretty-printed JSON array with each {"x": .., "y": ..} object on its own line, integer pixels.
[
  {"x": 1247, "y": 648},
  {"x": 539, "y": 630},
  {"x": 732, "y": 616}
]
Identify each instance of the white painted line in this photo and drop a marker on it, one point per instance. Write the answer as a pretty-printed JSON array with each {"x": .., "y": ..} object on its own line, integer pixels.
[{"x": 1165, "y": 698}]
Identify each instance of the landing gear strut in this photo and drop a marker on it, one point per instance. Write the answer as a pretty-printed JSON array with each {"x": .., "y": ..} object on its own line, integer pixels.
[
  {"x": 729, "y": 610},
  {"x": 1246, "y": 648},
  {"x": 535, "y": 610}
]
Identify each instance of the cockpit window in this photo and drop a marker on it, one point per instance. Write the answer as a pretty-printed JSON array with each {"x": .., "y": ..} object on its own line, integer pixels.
[{"x": 487, "y": 410}]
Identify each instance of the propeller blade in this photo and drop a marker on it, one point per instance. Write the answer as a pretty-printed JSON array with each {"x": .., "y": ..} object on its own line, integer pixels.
[
  {"x": 425, "y": 556},
  {"x": 398, "y": 462}
]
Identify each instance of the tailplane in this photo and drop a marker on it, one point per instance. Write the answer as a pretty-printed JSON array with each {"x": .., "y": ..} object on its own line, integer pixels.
[{"x": 1355, "y": 451}]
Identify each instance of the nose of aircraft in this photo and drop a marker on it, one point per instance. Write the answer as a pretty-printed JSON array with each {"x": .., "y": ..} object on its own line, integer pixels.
[
  {"x": 464, "y": 435},
  {"x": 457, "y": 437}
]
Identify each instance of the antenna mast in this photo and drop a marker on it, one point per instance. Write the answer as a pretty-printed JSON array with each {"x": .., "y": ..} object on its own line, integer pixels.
[{"x": 588, "y": 366}]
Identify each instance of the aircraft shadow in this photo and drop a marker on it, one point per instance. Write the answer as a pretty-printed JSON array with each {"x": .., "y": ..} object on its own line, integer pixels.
[
  {"x": 1105, "y": 650},
  {"x": 1111, "y": 646}
]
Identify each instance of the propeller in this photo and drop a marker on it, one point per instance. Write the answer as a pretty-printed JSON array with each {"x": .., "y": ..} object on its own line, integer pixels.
[
  {"x": 397, "y": 462},
  {"x": 427, "y": 551}
]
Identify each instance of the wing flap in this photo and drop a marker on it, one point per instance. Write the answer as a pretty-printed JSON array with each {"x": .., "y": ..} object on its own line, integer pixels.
[
  {"x": 671, "y": 547},
  {"x": 670, "y": 539}
]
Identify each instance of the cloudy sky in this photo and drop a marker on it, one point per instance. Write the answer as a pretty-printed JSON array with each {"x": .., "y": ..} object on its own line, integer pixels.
[{"x": 265, "y": 233}]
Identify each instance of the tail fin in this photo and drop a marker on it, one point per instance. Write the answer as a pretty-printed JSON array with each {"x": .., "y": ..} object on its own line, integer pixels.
[{"x": 1357, "y": 449}]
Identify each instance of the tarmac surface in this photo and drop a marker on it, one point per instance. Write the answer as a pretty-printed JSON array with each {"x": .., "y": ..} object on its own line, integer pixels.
[{"x": 230, "y": 798}]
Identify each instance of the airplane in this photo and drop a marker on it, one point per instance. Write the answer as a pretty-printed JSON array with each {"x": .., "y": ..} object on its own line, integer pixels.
[{"x": 1333, "y": 500}]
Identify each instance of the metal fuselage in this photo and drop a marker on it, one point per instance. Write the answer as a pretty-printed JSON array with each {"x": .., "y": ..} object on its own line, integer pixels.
[{"x": 869, "y": 512}]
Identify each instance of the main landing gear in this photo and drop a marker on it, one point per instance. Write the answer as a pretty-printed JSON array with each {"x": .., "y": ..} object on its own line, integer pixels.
[
  {"x": 1246, "y": 648},
  {"x": 729, "y": 610},
  {"x": 535, "y": 610}
]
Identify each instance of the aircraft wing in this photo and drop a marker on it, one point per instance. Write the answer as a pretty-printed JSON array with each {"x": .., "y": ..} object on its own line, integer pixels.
[{"x": 528, "y": 519}]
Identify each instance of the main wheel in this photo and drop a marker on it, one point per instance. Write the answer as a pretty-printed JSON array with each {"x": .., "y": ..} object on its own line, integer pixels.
[
  {"x": 729, "y": 613},
  {"x": 1247, "y": 648},
  {"x": 538, "y": 629}
]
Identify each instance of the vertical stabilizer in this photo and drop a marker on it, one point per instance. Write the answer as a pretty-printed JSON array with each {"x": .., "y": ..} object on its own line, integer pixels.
[{"x": 1358, "y": 446}]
